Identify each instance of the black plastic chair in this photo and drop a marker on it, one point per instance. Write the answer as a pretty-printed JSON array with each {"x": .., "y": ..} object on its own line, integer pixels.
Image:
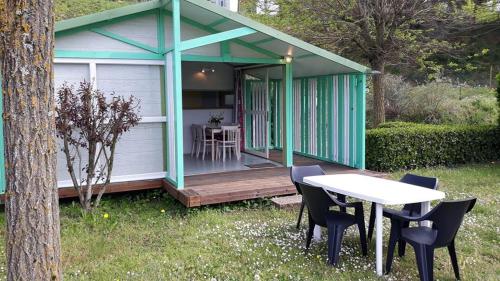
[
  {"x": 446, "y": 219},
  {"x": 408, "y": 210},
  {"x": 297, "y": 174},
  {"x": 318, "y": 203}
]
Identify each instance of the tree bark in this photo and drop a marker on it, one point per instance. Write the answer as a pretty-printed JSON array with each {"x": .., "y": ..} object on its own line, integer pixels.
[
  {"x": 378, "y": 94},
  {"x": 32, "y": 208}
]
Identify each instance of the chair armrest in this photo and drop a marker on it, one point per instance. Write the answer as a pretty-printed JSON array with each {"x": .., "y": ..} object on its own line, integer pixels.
[
  {"x": 409, "y": 218},
  {"x": 345, "y": 204}
]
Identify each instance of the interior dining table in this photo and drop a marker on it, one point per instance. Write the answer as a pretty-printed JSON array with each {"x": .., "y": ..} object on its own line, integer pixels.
[
  {"x": 382, "y": 192},
  {"x": 214, "y": 130}
]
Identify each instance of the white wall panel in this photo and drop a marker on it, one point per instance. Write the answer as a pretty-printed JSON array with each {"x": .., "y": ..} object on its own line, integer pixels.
[
  {"x": 140, "y": 151},
  {"x": 142, "y": 29},
  {"x": 73, "y": 74},
  {"x": 90, "y": 41},
  {"x": 243, "y": 52},
  {"x": 142, "y": 81}
]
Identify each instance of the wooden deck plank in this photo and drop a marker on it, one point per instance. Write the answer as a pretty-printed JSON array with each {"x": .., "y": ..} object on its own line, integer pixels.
[{"x": 249, "y": 184}]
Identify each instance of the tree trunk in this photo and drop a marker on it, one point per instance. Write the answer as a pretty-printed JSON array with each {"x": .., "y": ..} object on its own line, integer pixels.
[
  {"x": 378, "y": 94},
  {"x": 32, "y": 208}
]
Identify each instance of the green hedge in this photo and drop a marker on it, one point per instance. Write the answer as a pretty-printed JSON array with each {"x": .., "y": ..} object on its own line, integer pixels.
[
  {"x": 396, "y": 124},
  {"x": 420, "y": 145}
]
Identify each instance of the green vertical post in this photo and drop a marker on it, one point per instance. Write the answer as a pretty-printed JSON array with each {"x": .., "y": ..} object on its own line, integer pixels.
[
  {"x": 302, "y": 114},
  {"x": 247, "y": 117},
  {"x": 269, "y": 110},
  {"x": 2, "y": 151},
  {"x": 319, "y": 116},
  {"x": 307, "y": 116},
  {"x": 330, "y": 110},
  {"x": 340, "y": 125},
  {"x": 324, "y": 117},
  {"x": 360, "y": 120},
  {"x": 326, "y": 114},
  {"x": 287, "y": 106},
  {"x": 278, "y": 114},
  {"x": 177, "y": 65},
  {"x": 352, "y": 100}
]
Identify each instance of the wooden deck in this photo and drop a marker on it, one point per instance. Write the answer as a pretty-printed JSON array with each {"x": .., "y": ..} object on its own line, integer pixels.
[{"x": 225, "y": 187}]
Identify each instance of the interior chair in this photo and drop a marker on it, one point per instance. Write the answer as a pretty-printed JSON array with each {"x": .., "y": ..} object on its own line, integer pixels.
[
  {"x": 229, "y": 140},
  {"x": 408, "y": 209},
  {"x": 204, "y": 140},
  {"x": 194, "y": 138},
  {"x": 446, "y": 219},
  {"x": 319, "y": 203},
  {"x": 297, "y": 174}
]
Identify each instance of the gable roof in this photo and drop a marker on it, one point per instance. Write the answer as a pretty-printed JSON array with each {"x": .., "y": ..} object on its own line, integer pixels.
[{"x": 313, "y": 60}]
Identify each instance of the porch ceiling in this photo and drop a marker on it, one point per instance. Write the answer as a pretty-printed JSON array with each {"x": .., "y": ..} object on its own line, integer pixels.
[{"x": 308, "y": 60}]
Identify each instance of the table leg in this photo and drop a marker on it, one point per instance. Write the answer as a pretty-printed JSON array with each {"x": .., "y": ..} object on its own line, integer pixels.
[
  {"x": 379, "y": 233},
  {"x": 317, "y": 233},
  {"x": 424, "y": 209}
]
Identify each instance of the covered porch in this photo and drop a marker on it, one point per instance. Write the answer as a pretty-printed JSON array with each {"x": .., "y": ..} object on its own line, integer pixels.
[{"x": 287, "y": 95}]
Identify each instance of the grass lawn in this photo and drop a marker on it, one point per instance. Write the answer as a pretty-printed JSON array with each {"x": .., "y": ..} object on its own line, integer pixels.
[{"x": 149, "y": 236}]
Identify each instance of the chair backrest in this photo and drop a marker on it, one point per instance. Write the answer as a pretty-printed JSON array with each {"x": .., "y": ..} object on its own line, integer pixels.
[
  {"x": 230, "y": 133},
  {"x": 297, "y": 174},
  {"x": 194, "y": 133},
  {"x": 427, "y": 182},
  {"x": 198, "y": 131},
  {"x": 447, "y": 217},
  {"x": 317, "y": 201}
]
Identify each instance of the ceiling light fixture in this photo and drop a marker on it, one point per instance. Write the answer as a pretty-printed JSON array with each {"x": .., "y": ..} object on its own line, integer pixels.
[{"x": 208, "y": 69}]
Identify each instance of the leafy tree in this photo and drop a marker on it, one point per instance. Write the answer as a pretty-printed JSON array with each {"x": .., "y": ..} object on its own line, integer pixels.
[
  {"x": 90, "y": 127},
  {"x": 381, "y": 32},
  {"x": 65, "y": 9},
  {"x": 31, "y": 199}
]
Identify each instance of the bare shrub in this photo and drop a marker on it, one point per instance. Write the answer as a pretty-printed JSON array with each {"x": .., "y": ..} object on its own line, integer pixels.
[{"x": 90, "y": 126}]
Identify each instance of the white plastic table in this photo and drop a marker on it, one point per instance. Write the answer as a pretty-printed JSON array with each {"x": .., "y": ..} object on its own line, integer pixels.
[{"x": 378, "y": 190}]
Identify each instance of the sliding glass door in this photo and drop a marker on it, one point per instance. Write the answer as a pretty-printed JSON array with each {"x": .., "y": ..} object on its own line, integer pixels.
[{"x": 256, "y": 113}]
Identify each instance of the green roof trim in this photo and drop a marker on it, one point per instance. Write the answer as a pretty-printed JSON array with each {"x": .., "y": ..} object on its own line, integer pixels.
[{"x": 126, "y": 11}]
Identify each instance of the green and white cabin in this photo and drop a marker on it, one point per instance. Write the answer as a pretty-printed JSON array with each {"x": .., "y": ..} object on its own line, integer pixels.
[{"x": 185, "y": 59}]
